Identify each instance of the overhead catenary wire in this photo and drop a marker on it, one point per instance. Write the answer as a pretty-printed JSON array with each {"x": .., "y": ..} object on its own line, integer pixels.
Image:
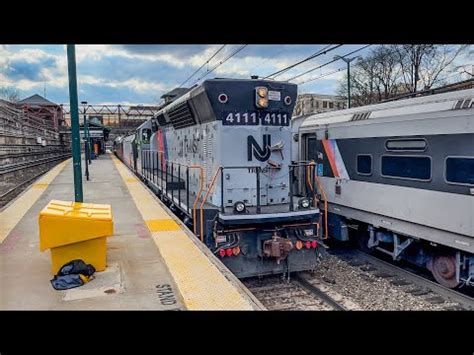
[
  {"x": 202, "y": 66},
  {"x": 323, "y": 65},
  {"x": 312, "y": 56},
  {"x": 321, "y": 76},
  {"x": 284, "y": 47},
  {"x": 220, "y": 63}
]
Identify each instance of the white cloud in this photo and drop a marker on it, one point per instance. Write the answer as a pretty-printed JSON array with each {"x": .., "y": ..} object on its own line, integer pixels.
[{"x": 137, "y": 85}]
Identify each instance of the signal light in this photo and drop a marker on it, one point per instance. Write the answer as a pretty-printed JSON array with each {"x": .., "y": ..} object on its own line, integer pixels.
[
  {"x": 308, "y": 245},
  {"x": 314, "y": 244},
  {"x": 236, "y": 251},
  {"x": 222, "y": 253},
  {"x": 299, "y": 244},
  {"x": 228, "y": 252}
]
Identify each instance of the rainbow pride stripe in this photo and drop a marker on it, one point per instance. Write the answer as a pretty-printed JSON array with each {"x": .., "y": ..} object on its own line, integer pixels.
[{"x": 335, "y": 159}]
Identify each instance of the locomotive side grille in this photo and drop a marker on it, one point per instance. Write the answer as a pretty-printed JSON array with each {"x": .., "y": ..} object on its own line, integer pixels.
[
  {"x": 463, "y": 103},
  {"x": 181, "y": 116},
  {"x": 466, "y": 103},
  {"x": 361, "y": 116}
]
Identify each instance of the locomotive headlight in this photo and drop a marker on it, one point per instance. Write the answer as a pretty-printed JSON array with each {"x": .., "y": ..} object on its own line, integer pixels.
[
  {"x": 239, "y": 207},
  {"x": 261, "y": 97},
  {"x": 304, "y": 203},
  {"x": 262, "y": 92},
  {"x": 262, "y": 102}
]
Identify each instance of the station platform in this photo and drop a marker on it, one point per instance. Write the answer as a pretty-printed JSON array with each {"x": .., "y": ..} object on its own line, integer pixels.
[{"x": 153, "y": 261}]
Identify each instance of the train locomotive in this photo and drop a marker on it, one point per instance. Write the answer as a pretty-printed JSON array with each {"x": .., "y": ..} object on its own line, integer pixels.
[
  {"x": 399, "y": 179},
  {"x": 220, "y": 157}
]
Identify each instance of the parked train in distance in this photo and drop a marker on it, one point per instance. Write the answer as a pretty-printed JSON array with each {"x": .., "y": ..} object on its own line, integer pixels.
[
  {"x": 400, "y": 177},
  {"x": 220, "y": 157}
]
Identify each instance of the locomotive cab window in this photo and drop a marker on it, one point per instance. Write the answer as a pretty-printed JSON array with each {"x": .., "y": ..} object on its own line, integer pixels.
[
  {"x": 460, "y": 170},
  {"x": 364, "y": 164},
  {"x": 407, "y": 167},
  {"x": 146, "y": 135}
]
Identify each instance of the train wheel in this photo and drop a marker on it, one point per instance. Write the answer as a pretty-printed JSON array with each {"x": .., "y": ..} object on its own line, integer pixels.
[{"x": 443, "y": 268}]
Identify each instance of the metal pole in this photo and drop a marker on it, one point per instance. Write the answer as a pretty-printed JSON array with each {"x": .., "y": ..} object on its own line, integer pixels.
[
  {"x": 89, "y": 142},
  {"x": 76, "y": 139},
  {"x": 85, "y": 160},
  {"x": 348, "y": 84},
  {"x": 258, "y": 190},
  {"x": 86, "y": 147},
  {"x": 222, "y": 191},
  {"x": 291, "y": 171}
]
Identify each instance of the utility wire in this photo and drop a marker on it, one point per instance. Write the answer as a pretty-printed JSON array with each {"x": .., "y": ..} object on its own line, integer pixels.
[
  {"x": 207, "y": 61},
  {"x": 312, "y": 56},
  {"x": 272, "y": 57},
  {"x": 332, "y": 61},
  {"x": 221, "y": 62},
  {"x": 321, "y": 76}
]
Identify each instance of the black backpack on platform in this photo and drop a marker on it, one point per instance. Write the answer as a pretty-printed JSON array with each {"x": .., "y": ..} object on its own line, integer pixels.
[{"x": 73, "y": 274}]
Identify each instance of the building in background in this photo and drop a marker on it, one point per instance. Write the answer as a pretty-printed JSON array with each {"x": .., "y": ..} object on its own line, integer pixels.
[
  {"x": 315, "y": 103},
  {"x": 44, "y": 109}
]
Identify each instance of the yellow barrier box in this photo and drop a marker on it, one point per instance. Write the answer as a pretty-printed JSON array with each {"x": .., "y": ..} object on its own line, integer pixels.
[
  {"x": 74, "y": 230},
  {"x": 92, "y": 251}
]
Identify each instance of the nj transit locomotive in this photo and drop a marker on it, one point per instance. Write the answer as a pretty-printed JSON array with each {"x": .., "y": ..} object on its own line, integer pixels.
[
  {"x": 402, "y": 175},
  {"x": 220, "y": 157}
]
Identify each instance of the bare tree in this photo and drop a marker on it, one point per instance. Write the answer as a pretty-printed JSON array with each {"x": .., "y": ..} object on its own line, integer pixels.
[
  {"x": 426, "y": 63},
  {"x": 373, "y": 78},
  {"x": 391, "y": 70},
  {"x": 10, "y": 94}
]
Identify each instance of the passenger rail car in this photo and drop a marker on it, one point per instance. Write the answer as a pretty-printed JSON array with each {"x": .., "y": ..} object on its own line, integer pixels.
[
  {"x": 402, "y": 174},
  {"x": 220, "y": 157}
]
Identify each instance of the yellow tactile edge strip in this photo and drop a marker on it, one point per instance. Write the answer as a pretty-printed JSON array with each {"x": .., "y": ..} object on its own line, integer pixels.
[
  {"x": 13, "y": 213},
  {"x": 201, "y": 284}
]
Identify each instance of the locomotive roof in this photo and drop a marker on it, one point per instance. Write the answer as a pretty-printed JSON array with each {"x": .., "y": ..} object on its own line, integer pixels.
[
  {"x": 199, "y": 87},
  {"x": 413, "y": 106}
]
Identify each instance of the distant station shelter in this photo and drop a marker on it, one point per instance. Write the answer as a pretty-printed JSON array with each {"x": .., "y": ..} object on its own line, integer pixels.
[{"x": 98, "y": 133}]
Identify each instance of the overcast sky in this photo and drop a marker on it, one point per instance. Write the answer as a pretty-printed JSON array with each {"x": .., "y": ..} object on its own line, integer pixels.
[{"x": 140, "y": 74}]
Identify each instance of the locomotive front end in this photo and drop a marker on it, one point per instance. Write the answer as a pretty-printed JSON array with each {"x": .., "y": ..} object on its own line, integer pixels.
[{"x": 261, "y": 226}]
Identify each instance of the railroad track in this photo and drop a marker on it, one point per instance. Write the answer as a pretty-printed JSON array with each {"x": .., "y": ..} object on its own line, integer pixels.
[
  {"x": 348, "y": 279},
  {"x": 7, "y": 196},
  {"x": 325, "y": 297},
  {"x": 28, "y": 164},
  {"x": 404, "y": 277},
  {"x": 280, "y": 294},
  {"x": 26, "y": 154}
]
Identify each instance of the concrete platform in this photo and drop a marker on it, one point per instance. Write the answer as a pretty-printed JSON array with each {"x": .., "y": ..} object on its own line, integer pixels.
[{"x": 150, "y": 265}]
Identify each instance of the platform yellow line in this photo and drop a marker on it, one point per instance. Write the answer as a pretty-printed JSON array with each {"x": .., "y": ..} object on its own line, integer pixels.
[
  {"x": 201, "y": 285},
  {"x": 11, "y": 215}
]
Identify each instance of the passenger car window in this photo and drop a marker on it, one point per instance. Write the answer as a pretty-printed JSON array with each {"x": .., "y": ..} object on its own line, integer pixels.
[
  {"x": 407, "y": 167},
  {"x": 364, "y": 164},
  {"x": 460, "y": 170}
]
